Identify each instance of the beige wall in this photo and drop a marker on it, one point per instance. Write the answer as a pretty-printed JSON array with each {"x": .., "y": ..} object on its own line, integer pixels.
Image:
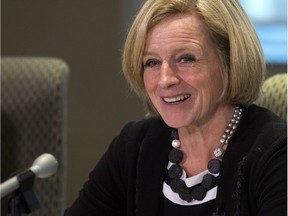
[{"x": 88, "y": 35}]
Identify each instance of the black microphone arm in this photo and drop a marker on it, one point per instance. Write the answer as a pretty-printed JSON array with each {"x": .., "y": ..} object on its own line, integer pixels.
[{"x": 44, "y": 166}]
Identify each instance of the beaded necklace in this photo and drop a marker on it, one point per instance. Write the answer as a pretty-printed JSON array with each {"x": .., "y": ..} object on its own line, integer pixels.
[{"x": 209, "y": 181}]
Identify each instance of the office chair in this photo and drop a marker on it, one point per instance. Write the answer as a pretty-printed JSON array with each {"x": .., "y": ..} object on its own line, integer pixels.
[
  {"x": 33, "y": 119},
  {"x": 274, "y": 95}
]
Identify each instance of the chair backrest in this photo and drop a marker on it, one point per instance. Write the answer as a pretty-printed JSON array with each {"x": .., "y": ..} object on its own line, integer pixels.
[
  {"x": 274, "y": 95},
  {"x": 33, "y": 121}
]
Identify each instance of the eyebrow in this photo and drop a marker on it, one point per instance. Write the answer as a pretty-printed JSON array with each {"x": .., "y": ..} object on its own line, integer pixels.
[{"x": 180, "y": 49}]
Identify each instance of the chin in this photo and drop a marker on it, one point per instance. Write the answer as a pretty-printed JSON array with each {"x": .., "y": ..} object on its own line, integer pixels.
[{"x": 175, "y": 123}]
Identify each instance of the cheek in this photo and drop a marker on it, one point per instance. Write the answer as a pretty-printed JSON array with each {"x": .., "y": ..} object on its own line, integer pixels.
[
  {"x": 216, "y": 86},
  {"x": 146, "y": 82},
  {"x": 197, "y": 80},
  {"x": 149, "y": 82},
  {"x": 217, "y": 79}
]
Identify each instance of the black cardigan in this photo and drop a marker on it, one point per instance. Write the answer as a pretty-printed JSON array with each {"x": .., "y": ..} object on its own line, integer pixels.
[{"x": 129, "y": 177}]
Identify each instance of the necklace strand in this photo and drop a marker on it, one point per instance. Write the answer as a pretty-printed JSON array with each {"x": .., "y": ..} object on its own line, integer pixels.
[{"x": 175, "y": 171}]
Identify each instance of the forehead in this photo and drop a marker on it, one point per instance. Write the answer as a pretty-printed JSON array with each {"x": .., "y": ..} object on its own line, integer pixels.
[{"x": 189, "y": 26}]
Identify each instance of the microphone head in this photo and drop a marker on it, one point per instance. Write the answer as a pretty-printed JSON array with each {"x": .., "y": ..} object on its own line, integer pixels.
[{"x": 44, "y": 166}]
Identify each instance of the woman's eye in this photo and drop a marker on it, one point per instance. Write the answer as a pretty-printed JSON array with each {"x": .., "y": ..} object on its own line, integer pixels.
[
  {"x": 186, "y": 59},
  {"x": 151, "y": 63}
]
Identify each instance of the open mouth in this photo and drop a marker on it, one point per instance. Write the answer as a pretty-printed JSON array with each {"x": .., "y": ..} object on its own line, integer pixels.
[{"x": 178, "y": 99}]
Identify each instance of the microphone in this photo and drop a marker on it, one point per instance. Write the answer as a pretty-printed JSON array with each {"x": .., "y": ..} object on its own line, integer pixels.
[{"x": 43, "y": 166}]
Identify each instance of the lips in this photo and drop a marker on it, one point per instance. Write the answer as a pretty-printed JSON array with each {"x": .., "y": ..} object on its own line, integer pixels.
[{"x": 177, "y": 99}]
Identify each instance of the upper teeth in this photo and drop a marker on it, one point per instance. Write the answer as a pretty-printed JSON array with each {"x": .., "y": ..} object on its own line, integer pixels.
[{"x": 176, "y": 99}]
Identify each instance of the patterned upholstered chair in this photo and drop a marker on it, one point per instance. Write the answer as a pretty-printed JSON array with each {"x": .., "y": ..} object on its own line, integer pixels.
[
  {"x": 33, "y": 118},
  {"x": 274, "y": 96}
]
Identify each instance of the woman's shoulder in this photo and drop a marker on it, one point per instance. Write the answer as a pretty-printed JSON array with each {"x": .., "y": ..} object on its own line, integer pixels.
[
  {"x": 134, "y": 133},
  {"x": 264, "y": 127},
  {"x": 262, "y": 120},
  {"x": 259, "y": 128},
  {"x": 262, "y": 114},
  {"x": 146, "y": 127}
]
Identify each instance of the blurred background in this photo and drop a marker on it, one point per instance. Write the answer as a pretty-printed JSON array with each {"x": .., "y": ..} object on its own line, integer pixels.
[{"x": 89, "y": 36}]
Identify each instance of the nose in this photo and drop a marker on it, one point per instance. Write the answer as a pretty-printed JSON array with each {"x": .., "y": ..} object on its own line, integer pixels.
[{"x": 168, "y": 76}]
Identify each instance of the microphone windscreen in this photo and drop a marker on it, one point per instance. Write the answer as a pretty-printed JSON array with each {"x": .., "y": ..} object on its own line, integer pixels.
[{"x": 45, "y": 165}]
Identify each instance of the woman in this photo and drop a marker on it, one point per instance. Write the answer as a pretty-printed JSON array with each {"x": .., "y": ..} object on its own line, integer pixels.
[{"x": 204, "y": 150}]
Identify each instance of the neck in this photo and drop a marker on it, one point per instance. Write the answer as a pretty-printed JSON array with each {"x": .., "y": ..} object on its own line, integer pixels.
[
  {"x": 199, "y": 140},
  {"x": 199, "y": 134}
]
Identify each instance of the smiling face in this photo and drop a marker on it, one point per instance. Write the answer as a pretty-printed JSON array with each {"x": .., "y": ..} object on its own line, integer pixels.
[{"x": 182, "y": 72}]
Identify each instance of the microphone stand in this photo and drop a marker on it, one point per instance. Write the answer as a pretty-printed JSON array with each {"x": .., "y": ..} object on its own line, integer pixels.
[{"x": 24, "y": 199}]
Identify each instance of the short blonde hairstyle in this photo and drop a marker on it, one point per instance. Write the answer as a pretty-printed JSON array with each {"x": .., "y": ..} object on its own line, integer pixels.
[{"x": 231, "y": 31}]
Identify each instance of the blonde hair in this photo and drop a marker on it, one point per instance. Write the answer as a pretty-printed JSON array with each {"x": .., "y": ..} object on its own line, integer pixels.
[{"x": 231, "y": 31}]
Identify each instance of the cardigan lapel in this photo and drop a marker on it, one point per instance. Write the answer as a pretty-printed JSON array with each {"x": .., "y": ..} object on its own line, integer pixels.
[{"x": 152, "y": 165}]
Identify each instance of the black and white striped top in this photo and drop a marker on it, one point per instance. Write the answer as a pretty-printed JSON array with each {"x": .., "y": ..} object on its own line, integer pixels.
[{"x": 172, "y": 204}]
